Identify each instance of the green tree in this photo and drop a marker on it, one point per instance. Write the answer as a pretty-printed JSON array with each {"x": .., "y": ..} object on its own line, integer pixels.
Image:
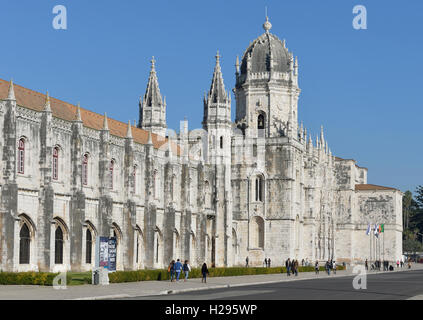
[
  {"x": 407, "y": 201},
  {"x": 416, "y": 216}
]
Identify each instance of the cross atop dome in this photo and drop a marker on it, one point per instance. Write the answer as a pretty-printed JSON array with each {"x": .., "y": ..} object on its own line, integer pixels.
[{"x": 267, "y": 25}]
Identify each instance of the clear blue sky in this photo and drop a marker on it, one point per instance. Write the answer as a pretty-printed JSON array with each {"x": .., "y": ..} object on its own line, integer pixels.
[{"x": 363, "y": 86}]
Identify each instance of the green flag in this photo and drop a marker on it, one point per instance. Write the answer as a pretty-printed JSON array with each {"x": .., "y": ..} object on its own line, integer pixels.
[{"x": 382, "y": 228}]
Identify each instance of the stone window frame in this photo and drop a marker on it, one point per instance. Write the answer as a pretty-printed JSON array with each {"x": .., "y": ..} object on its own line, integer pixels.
[
  {"x": 21, "y": 155},
  {"x": 88, "y": 226},
  {"x": 59, "y": 223},
  {"x": 111, "y": 175},
  {"x": 85, "y": 168},
  {"x": 55, "y": 163},
  {"x": 26, "y": 220}
]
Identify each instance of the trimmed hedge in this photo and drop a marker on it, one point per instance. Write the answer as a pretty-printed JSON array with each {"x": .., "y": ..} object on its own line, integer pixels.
[
  {"x": 161, "y": 274},
  {"x": 27, "y": 278},
  {"x": 46, "y": 279}
]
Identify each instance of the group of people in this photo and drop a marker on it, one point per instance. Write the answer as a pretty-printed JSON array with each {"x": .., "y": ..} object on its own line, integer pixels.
[
  {"x": 266, "y": 262},
  {"x": 291, "y": 266},
  {"x": 175, "y": 269},
  {"x": 387, "y": 266}
]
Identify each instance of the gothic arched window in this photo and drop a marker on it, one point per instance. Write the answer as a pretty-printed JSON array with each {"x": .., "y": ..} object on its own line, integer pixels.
[
  {"x": 259, "y": 186},
  {"x": 85, "y": 170},
  {"x": 221, "y": 142},
  {"x": 58, "y": 246},
  {"x": 260, "y": 122},
  {"x": 89, "y": 246},
  {"x": 21, "y": 156},
  {"x": 111, "y": 169},
  {"x": 24, "y": 244},
  {"x": 56, "y": 163}
]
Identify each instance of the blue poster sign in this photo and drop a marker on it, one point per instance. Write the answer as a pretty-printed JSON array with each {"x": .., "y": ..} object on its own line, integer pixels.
[
  {"x": 104, "y": 252},
  {"x": 112, "y": 254}
]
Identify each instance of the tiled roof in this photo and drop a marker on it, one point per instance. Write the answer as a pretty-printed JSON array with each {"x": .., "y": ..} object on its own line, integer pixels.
[
  {"x": 35, "y": 101},
  {"x": 364, "y": 187}
]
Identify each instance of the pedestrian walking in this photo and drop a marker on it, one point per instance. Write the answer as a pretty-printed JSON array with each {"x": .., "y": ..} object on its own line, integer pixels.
[
  {"x": 397, "y": 263},
  {"x": 186, "y": 268},
  {"x": 246, "y": 262},
  {"x": 171, "y": 270},
  {"x": 366, "y": 265},
  {"x": 265, "y": 262},
  {"x": 402, "y": 263},
  {"x": 316, "y": 267},
  {"x": 334, "y": 267},
  {"x": 268, "y": 262},
  {"x": 296, "y": 267},
  {"x": 327, "y": 267},
  {"x": 178, "y": 269},
  {"x": 204, "y": 272},
  {"x": 288, "y": 266},
  {"x": 302, "y": 262}
]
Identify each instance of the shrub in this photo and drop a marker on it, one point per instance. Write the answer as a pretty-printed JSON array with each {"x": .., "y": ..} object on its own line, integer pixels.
[
  {"x": 27, "y": 278},
  {"x": 159, "y": 274}
]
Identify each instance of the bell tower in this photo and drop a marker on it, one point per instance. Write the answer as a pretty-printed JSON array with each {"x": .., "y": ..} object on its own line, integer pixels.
[{"x": 266, "y": 89}]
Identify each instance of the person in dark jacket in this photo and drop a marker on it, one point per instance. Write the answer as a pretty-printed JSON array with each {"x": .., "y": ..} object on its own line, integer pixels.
[
  {"x": 204, "y": 272},
  {"x": 186, "y": 269},
  {"x": 268, "y": 262},
  {"x": 288, "y": 266},
  {"x": 171, "y": 269},
  {"x": 316, "y": 267}
]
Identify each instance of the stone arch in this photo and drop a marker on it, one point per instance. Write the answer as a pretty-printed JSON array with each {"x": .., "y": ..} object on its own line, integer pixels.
[
  {"x": 138, "y": 248},
  {"x": 257, "y": 233},
  {"x": 89, "y": 239},
  {"x": 261, "y": 123},
  {"x": 61, "y": 247},
  {"x": 176, "y": 244},
  {"x": 26, "y": 241},
  {"x": 158, "y": 248},
  {"x": 117, "y": 233}
]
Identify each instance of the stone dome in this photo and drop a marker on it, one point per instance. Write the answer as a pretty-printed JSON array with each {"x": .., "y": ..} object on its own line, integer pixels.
[{"x": 260, "y": 50}]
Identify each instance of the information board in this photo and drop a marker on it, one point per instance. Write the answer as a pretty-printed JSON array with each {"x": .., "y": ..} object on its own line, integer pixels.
[{"x": 112, "y": 254}]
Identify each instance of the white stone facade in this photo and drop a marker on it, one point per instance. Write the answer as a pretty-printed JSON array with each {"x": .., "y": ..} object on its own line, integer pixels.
[{"x": 256, "y": 187}]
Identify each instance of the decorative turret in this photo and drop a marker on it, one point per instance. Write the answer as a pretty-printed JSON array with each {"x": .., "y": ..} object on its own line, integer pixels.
[
  {"x": 129, "y": 131},
  {"x": 11, "y": 93},
  {"x": 152, "y": 106},
  {"x": 47, "y": 105},
  {"x": 105, "y": 123},
  {"x": 217, "y": 102}
]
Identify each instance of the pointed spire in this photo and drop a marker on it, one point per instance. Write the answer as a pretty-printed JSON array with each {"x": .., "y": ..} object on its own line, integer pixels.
[
  {"x": 322, "y": 136},
  {"x": 237, "y": 64},
  {"x": 11, "y": 93},
  {"x": 78, "y": 113},
  {"x": 310, "y": 144},
  {"x": 105, "y": 122},
  {"x": 217, "y": 91},
  {"x": 47, "y": 106},
  {"x": 152, "y": 94},
  {"x": 129, "y": 131}
]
